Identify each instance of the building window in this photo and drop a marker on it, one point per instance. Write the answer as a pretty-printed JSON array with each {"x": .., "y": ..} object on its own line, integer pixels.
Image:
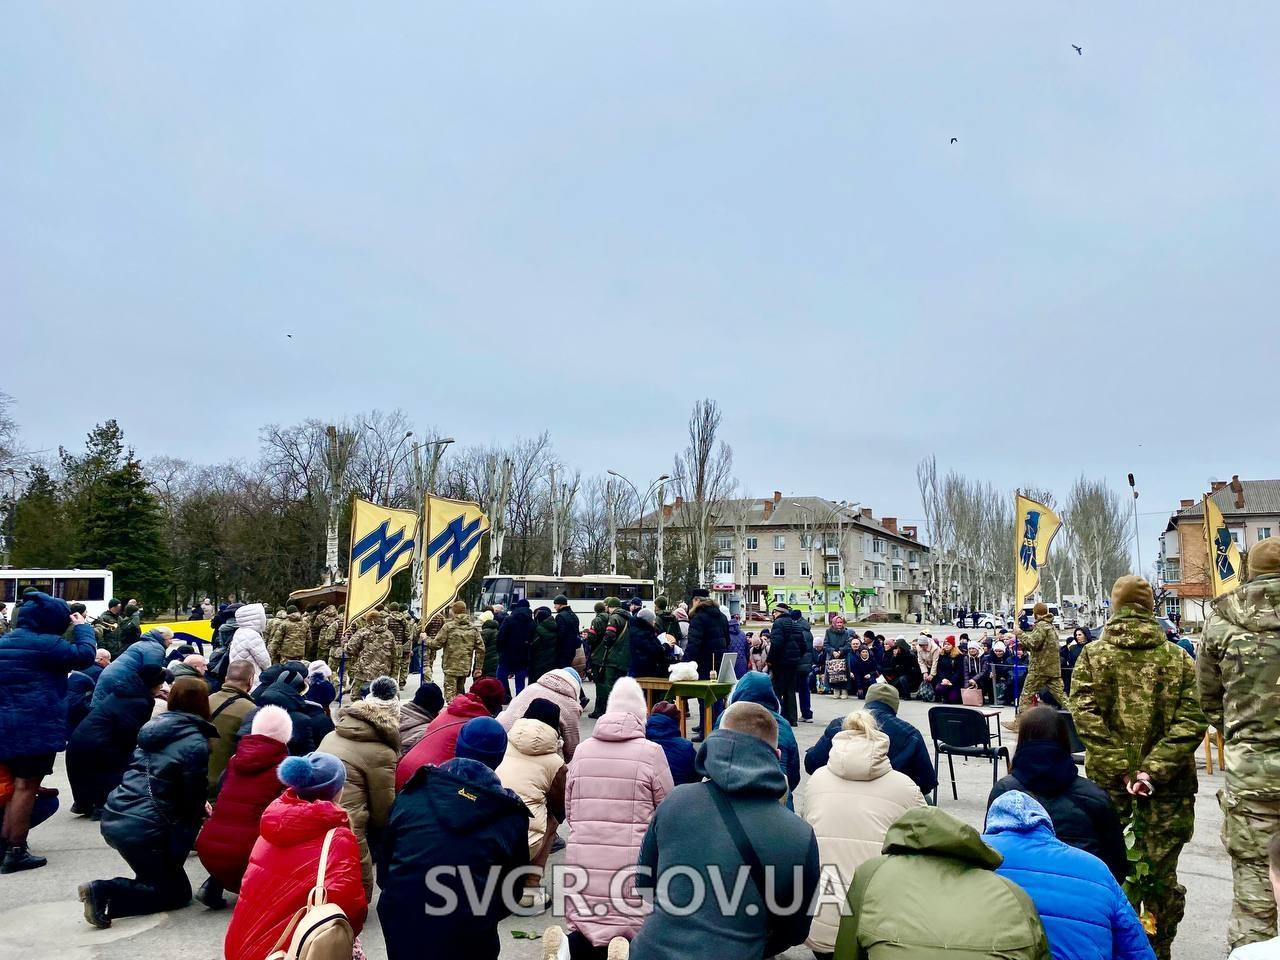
[
  {"x": 833, "y": 570},
  {"x": 806, "y": 541},
  {"x": 877, "y": 546},
  {"x": 753, "y": 568},
  {"x": 1172, "y": 571},
  {"x": 1235, "y": 537},
  {"x": 804, "y": 568},
  {"x": 724, "y": 544},
  {"x": 779, "y": 568},
  {"x": 831, "y": 541},
  {"x": 866, "y": 572},
  {"x": 896, "y": 552},
  {"x": 913, "y": 557},
  {"x": 722, "y": 565},
  {"x": 752, "y": 543},
  {"x": 779, "y": 542},
  {"x": 1263, "y": 533},
  {"x": 1172, "y": 607}
]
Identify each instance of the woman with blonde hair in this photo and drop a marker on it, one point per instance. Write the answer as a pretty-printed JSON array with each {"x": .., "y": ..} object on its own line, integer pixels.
[{"x": 851, "y": 803}]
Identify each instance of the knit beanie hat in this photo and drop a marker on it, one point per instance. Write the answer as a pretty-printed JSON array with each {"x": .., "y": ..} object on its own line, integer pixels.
[
  {"x": 273, "y": 722},
  {"x": 572, "y": 675},
  {"x": 627, "y": 697},
  {"x": 491, "y": 693},
  {"x": 1132, "y": 591},
  {"x": 1040, "y": 610},
  {"x": 319, "y": 667},
  {"x": 384, "y": 689},
  {"x": 316, "y": 776},
  {"x": 667, "y": 708},
  {"x": 648, "y": 616},
  {"x": 429, "y": 697},
  {"x": 599, "y": 606},
  {"x": 545, "y": 711},
  {"x": 885, "y": 693},
  {"x": 152, "y": 675},
  {"x": 482, "y": 739},
  {"x": 1264, "y": 558}
]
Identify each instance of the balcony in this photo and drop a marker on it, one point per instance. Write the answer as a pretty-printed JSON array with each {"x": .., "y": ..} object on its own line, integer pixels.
[
  {"x": 830, "y": 550},
  {"x": 831, "y": 580},
  {"x": 913, "y": 564}
]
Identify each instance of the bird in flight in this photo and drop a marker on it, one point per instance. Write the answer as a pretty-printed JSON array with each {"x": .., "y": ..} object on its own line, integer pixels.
[
  {"x": 289, "y": 335},
  {"x": 954, "y": 140},
  {"x": 1078, "y": 50}
]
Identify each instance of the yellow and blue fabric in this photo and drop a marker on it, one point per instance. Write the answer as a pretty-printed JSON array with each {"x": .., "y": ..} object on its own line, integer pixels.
[
  {"x": 382, "y": 542},
  {"x": 1036, "y": 527},
  {"x": 1224, "y": 555},
  {"x": 450, "y": 550}
]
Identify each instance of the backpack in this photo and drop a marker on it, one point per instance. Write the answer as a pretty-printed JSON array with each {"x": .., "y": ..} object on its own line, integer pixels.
[{"x": 320, "y": 930}]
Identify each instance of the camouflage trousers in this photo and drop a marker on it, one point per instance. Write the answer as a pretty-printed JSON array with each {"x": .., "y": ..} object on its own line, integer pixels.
[
  {"x": 1247, "y": 829},
  {"x": 1036, "y": 682},
  {"x": 1175, "y": 817},
  {"x": 402, "y": 664},
  {"x": 454, "y": 685}
]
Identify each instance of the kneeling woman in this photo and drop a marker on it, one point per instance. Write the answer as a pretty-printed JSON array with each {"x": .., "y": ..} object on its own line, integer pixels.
[{"x": 153, "y": 817}]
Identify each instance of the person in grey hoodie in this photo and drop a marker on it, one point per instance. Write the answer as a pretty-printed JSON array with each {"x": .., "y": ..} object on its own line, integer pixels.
[{"x": 693, "y": 830}]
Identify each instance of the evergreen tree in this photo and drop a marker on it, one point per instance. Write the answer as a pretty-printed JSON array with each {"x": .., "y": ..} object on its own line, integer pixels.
[
  {"x": 124, "y": 532},
  {"x": 41, "y": 537}
]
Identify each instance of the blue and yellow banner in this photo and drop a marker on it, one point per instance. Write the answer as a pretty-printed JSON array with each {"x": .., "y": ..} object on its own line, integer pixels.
[
  {"x": 1224, "y": 555},
  {"x": 194, "y": 632},
  {"x": 381, "y": 546},
  {"x": 450, "y": 551},
  {"x": 1036, "y": 527}
]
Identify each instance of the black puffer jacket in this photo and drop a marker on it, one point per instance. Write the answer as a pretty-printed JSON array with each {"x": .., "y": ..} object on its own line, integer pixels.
[
  {"x": 101, "y": 745},
  {"x": 159, "y": 804},
  {"x": 1082, "y": 813},
  {"x": 515, "y": 639},
  {"x": 806, "y": 636},
  {"x": 786, "y": 642},
  {"x": 301, "y": 712},
  {"x": 542, "y": 659},
  {"x": 708, "y": 639},
  {"x": 648, "y": 654}
]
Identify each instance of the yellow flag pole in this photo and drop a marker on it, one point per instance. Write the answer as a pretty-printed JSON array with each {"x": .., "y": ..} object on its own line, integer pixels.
[{"x": 425, "y": 520}]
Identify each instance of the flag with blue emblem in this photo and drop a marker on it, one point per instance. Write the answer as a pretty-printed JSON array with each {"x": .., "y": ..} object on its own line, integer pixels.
[
  {"x": 381, "y": 546},
  {"x": 1224, "y": 555},
  {"x": 1037, "y": 525},
  {"x": 450, "y": 549}
]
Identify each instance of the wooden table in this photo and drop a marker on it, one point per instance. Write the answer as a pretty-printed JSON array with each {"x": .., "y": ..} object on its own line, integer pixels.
[
  {"x": 992, "y": 713},
  {"x": 708, "y": 691},
  {"x": 1208, "y": 752},
  {"x": 655, "y": 689}
]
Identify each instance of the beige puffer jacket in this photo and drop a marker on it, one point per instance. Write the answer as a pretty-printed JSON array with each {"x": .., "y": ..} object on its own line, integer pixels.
[
  {"x": 529, "y": 768},
  {"x": 851, "y": 803}
]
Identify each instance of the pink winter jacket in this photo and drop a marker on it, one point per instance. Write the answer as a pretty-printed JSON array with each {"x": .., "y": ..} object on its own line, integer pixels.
[
  {"x": 616, "y": 781},
  {"x": 559, "y": 688}
]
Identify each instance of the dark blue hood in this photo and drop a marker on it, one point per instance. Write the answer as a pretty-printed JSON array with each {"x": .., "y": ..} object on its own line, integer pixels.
[
  {"x": 41, "y": 613},
  {"x": 661, "y": 727}
]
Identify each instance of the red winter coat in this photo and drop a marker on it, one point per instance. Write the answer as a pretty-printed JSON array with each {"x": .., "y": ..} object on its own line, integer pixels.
[
  {"x": 247, "y": 790},
  {"x": 440, "y": 743},
  {"x": 282, "y": 870}
]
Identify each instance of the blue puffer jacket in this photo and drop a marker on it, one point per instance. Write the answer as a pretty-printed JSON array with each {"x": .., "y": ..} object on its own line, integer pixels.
[
  {"x": 34, "y": 662},
  {"x": 1086, "y": 915},
  {"x": 665, "y": 732},
  {"x": 148, "y": 649},
  {"x": 756, "y": 687}
]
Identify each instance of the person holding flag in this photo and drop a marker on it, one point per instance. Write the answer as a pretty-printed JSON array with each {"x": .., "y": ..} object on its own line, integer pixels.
[{"x": 1037, "y": 526}]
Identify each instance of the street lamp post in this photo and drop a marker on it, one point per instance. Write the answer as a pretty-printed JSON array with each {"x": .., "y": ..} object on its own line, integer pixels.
[{"x": 641, "y": 501}]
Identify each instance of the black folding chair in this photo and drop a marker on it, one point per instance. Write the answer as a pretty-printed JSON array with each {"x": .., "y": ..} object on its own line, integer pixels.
[
  {"x": 1077, "y": 745},
  {"x": 962, "y": 732}
]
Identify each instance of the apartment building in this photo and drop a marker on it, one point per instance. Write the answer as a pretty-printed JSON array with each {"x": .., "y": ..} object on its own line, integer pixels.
[
  {"x": 1251, "y": 509},
  {"x": 811, "y": 553}
]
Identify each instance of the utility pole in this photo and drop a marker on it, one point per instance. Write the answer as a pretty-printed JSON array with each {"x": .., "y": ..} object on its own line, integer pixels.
[
  {"x": 1137, "y": 545},
  {"x": 660, "y": 574},
  {"x": 424, "y": 485},
  {"x": 555, "y": 525},
  {"x": 611, "y": 503}
]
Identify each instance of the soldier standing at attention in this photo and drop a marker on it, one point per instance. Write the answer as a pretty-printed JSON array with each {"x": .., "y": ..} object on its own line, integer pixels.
[
  {"x": 462, "y": 643},
  {"x": 290, "y": 641},
  {"x": 371, "y": 652},
  {"x": 1044, "y": 667},
  {"x": 331, "y": 638},
  {"x": 271, "y": 632},
  {"x": 398, "y": 624},
  {"x": 1237, "y": 672},
  {"x": 1136, "y": 708}
]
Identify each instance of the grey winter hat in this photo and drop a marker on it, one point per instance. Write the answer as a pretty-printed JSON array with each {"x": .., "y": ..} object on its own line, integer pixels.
[{"x": 648, "y": 616}]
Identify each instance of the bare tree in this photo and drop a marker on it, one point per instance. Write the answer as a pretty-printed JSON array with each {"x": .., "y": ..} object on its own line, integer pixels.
[{"x": 704, "y": 473}]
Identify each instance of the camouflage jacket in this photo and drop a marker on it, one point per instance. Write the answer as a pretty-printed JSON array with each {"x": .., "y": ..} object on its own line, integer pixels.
[
  {"x": 1041, "y": 644},
  {"x": 398, "y": 624},
  {"x": 372, "y": 651},
  {"x": 330, "y": 634},
  {"x": 290, "y": 641},
  {"x": 1238, "y": 671},
  {"x": 460, "y": 640},
  {"x": 1134, "y": 702},
  {"x": 272, "y": 630}
]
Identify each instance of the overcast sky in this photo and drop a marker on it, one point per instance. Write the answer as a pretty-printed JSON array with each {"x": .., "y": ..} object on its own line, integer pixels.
[{"x": 505, "y": 217}]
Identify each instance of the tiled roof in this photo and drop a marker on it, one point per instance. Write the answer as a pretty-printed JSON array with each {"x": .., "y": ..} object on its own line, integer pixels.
[{"x": 1260, "y": 496}]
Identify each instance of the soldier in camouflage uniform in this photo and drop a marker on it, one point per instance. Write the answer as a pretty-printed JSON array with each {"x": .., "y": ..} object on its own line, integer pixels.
[
  {"x": 463, "y": 648},
  {"x": 614, "y": 657},
  {"x": 595, "y": 637},
  {"x": 271, "y": 632},
  {"x": 1136, "y": 708},
  {"x": 319, "y": 648},
  {"x": 290, "y": 642},
  {"x": 427, "y": 631},
  {"x": 331, "y": 638},
  {"x": 371, "y": 652},
  {"x": 1044, "y": 666},
  {"x": 399, "y": 625},
  {"x": 1237, "y": 669}
]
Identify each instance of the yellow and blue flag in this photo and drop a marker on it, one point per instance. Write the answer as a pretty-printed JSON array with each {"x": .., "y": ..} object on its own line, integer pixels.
[
  {"x": 381, "y": 546},
  {"x": 1224, "y": 555},
  {"x": 451, "y": 548},
  {"x": 1036, "y": 527},
  {"x": 195, "y": 632}
]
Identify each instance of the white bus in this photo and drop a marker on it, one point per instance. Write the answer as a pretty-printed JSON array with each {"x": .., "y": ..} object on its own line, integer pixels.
[
  {"x": 91, "y": 587},
  {"x": 583, "y": 592}
]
